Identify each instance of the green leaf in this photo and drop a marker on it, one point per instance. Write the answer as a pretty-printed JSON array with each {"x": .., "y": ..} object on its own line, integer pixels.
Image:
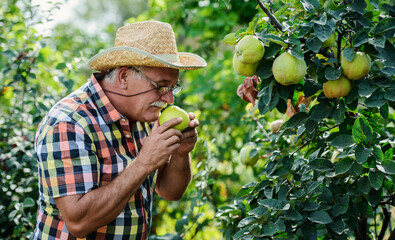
[
  {"x": 321, "y": 164},
  {"x": 339, "y": 209},
  {"x": 288, "y": 162},
  {"x": 358, "y": 6},
  {"x": 390, "y": 95},
  {"x": 348, "y": 54},
  {"x": 180, "y": 224},
  {"x": 265, "y": 97},
  {"x": 28, "y": 202},
  {"x": 322, "y": 21},
  {"x": 375, "y": 196},
  {"x": 378, "y": 154},
  {"x": 342, "y": 141},
  {"x": 363, "y": 185},
  {"x": 360, "y": 38},
  {"x": 230, "y": 39},
  {"x": 320, "y": 217},
  {"x": 61, "y": 65},
  {"x": 338, "y": 226},
  {"x": 384, "y": 111},
  {"x": 246, "y": 221},
  {"x": 293, "y": 215},
  {"x": 362, "y": 132},
  {"x": 258, "y": 212},
  {"x": 314, "y": 44},
  {"x": 384, "y": 25},
  {"x": 272, "y": 203},
  {"x": 323, "y": 32},
  {"x": 12, "y": 215},
  {"x": 311, "y": 87},
  {"x": 339, "y": 111},
  {"x": 378, "y": 42},
  {"x": 243, "y": 193},
  {"x": 377, "y": 99},
  {"x": 376, "y": 179},
  {"x": 269, "y": 229},
  {"x": 365, "y": 209},
  {"x": 321, "y": 111},
  {"x": 389, "y": 154},
  {"x": 273, "y": 38},
  {"x": 297, "y": 52},
  {"x": 309, "y": 231},
  {"x": 343, "y": 165},
  {"x": 366, "y": 88},
  {"x": 387, "y": 53},
  {"x": 332, "y": 74},
  {"x": 243, "y": 232},
  {"x": 362, "y": 154},
  {"x": 314, "y": 185},
  {"x": 305, "y": 29},
  {"x": 387, "y": 167},
  {"x": 263, "y": 71},
  {"x": 297, "y": 120},
  {"x": 271, "y": 51},
  {"x": 310, "y": 206}
]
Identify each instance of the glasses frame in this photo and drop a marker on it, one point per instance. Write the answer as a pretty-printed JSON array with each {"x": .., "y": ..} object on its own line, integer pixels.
[{"x": 162, "y": 90}]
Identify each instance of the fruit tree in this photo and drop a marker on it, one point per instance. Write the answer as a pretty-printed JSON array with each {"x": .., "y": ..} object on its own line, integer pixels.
[{"x": 329, "y": 171}]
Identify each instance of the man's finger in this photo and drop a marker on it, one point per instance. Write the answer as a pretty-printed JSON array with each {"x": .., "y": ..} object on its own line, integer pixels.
[
  {"x": 171, "y": 123},
  {"x": 191, "y": 115},
  {"x": 194, "y": 123},
  {"x": 156, "y": 125}
]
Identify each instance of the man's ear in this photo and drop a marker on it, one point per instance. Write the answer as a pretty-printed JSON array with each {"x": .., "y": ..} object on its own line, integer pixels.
[{"x": 122, "y": 77}]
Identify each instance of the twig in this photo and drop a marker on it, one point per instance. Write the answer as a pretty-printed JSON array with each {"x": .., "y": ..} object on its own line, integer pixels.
[
  {"x": 273, "y": 19},
  {"x": 261, "y": 127}
]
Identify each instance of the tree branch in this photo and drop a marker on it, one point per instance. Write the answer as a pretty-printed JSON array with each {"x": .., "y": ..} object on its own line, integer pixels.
[
  {"x": 392, "y": 236},
  {"x": 273, "y": 19},
  {"x": 386, "y": 220},
  {"x": 361, "y": 229}
]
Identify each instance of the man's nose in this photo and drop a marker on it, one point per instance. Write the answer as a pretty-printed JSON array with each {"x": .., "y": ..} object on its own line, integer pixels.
[{"x": 168, "y": 97}]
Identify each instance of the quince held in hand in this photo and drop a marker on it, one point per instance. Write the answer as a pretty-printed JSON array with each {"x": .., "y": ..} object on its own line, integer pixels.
[{"x": 175, "y": 112}]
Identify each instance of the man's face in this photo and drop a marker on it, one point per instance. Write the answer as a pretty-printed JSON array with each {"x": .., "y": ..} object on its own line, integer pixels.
[{"x": 146, "y": 107}]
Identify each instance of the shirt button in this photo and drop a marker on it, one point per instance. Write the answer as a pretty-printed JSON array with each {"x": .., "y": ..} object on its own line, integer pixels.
[
  {"x": 123, "y": 119},
  {"x": 127, "y": 136}
]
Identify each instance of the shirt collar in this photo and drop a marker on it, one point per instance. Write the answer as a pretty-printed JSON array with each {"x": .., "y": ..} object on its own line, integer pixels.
[{"x": 107, "y": 110}]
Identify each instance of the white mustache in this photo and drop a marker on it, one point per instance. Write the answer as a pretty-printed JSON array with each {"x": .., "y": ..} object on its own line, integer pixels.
[{"x": 159, "y": 104}]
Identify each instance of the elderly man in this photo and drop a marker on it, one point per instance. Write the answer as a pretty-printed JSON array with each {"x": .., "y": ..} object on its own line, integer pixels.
[{"x": 101, "y": 152}]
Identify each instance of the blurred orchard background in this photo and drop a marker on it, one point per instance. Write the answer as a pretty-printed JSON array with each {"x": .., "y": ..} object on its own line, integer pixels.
[{"x": 328, "y": 173}]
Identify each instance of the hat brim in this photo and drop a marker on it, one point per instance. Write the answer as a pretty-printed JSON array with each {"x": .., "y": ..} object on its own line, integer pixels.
[{"x": 130, "y": 56}]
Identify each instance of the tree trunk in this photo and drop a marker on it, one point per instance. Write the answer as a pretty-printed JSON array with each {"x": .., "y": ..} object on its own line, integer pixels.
[{"x": 361, "y": 230}]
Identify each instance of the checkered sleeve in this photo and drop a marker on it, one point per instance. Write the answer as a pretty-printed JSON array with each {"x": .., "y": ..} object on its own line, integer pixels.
[{"x": 69, "y": 161}]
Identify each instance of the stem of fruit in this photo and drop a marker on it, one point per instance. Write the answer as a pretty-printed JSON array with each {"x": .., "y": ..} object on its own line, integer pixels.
[{"x": 273, "y": 19}]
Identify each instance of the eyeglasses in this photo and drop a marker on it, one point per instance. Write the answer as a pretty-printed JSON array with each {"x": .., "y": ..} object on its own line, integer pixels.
[{"x": 161, "y": 90}]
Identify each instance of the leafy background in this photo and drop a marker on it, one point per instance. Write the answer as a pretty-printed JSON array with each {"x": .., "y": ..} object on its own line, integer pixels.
[{"x": 298, "y": 188}]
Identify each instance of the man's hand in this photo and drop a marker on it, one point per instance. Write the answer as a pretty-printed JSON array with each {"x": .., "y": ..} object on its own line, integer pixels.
[
  {"x": 174, "y": 177},
  {"x": 189, "y": 136},
  {"x": 162, "y": 142}
]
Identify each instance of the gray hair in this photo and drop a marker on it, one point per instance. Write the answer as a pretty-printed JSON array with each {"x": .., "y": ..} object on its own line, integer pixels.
[{"x": 111, "y": 75}]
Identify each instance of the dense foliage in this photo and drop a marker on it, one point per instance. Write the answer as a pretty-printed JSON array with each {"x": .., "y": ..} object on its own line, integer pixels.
[
  {"x": 327, "y": 172},
  {"x": 330, "y": 171}
]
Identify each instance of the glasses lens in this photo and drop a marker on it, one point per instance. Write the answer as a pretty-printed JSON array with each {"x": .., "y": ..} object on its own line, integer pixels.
[
  {"x": 177, "y": 89},
  {"x": 164, "y": 90}
]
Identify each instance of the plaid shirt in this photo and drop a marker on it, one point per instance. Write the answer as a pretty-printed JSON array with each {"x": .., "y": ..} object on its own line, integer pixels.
[{"x": 82, "y": 144}]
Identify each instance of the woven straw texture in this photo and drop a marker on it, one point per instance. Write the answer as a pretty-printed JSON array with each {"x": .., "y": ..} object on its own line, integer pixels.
[{"x": 148, "y": 43}]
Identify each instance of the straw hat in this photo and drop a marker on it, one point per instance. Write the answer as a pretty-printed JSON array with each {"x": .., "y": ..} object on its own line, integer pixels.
[{"x": 147, "y": 43}]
